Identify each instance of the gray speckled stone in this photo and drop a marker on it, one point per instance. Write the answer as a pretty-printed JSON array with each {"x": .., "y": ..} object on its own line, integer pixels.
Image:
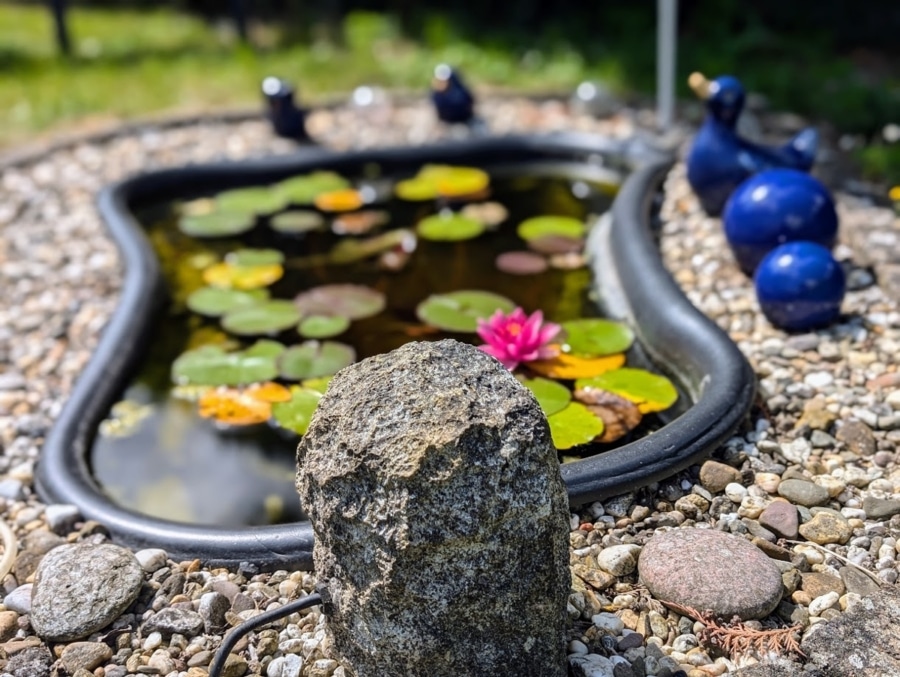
[
  {"x": 803, "y": 492},
  {"x": 440, "y": 516},
  {"x": 710, "y": 570},
  {"x": 81, "y": 588}
]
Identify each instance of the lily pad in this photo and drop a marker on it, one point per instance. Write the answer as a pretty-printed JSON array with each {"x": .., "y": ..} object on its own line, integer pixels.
[
  {"x": 574, "y": 425},
  {"x": 596, "y": 337},
  {"x": 303, "y": 190},
  {"x": 216, "y": 224},
  {"x": 343, "y": 200},
  {"x": 649, "y": 391},
  {"x": 322, "y": 326},
  {"x": 269, "y": 391},
  {"x": 254, "y": 257},
  {"x": 229, "y": 276},
  {"x": 320, "y": 383},
  {"x": 552, "y": 396},
  {"x": 313, "y": 359},
  {"x": 233, "y": 407},
  {"x": 521, "y": 263},
  {"x": 216, "y": 301},
  {"x": 269, "y": 317},
  {"x": 556, "y": 244},
  {"x": 542, "y": 226},
  {"x": 352, "y": 301},
  {"x": 449, "y": 226},
  {"x": 435, "y": 181},
  {"x": 620, "y": 416},
  {"x": 296, "y": 413},
  {"x": 349, "y": 251},
  {"x": 213, "y": 366},
  {"x": 459, "y": 311},
  {"x": 359, "y": 223},
  {"x": 296, "y": 222},
  {"x": 255, "y": 200},
  {"x": 567, "y": 367},
  {"x": 489, "y": 213}
]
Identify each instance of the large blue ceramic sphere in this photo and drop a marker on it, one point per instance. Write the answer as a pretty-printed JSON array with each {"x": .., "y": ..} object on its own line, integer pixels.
[
  {"x": 800, "y": 286},
  {"x": 774, "y": 207}
]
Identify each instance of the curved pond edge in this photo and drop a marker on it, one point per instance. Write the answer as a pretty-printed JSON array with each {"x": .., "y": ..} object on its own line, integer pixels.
[{"x": 634, "y": 285}]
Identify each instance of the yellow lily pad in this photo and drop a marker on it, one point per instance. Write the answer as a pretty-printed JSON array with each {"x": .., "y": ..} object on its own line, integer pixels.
[
  {"x": 229, "y": 276},
  {"x": 565, "y": 366}
]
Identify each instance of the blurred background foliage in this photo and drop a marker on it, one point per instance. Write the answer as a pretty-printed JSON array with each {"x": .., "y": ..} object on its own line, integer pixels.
[{"x": 833, "y": 61}]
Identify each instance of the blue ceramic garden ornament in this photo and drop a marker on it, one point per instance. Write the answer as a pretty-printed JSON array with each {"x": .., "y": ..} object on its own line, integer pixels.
[
  {"x": 800, "y": 286},
  {"x": 288, "y": 120},
  {"x": 452, "y": 100},
  {"x": 774, "y": 207},
  {"x": 719, "y": 159}
]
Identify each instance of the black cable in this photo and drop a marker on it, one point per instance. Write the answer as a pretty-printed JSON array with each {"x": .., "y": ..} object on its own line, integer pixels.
[{"x": 233, "y": 637}]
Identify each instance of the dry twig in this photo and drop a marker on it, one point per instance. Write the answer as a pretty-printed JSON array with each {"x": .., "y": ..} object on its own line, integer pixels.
[{"x": 735, "y": 638}]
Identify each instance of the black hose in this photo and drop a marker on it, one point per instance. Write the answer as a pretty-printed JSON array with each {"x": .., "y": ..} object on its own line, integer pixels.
[{"x": 233, "y": 637}]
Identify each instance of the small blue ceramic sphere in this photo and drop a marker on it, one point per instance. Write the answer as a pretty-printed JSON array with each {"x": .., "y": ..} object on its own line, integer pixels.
[
  {"x": 774, "y": 207},
  {"x": 800, "y": 286}
]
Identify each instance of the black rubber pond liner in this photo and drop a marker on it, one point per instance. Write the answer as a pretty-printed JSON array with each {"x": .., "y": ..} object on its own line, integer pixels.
[{"x": 634, "y": 285}]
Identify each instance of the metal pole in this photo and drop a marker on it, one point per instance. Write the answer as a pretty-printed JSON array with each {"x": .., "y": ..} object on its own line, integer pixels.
[{"x": 666, "y": 39}]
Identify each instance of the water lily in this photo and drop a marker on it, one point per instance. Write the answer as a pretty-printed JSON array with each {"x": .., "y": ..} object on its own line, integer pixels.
[{"x": 517, "y": 337}]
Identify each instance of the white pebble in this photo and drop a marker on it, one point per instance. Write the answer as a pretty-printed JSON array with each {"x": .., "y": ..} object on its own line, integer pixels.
[
  {"x": 823, "y": 602},
  {"x": 608, "y": 621},
  {"x": 152, "y": 641},
  {"x": 735, "y": 492},
  {"x": 285, "y": 666}
]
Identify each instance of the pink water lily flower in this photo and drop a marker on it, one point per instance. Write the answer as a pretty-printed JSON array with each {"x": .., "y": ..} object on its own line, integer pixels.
[{"x": 517, "y": 338}]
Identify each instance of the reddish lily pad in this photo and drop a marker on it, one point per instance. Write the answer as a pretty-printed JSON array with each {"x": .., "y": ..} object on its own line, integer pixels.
[
  {"x": 313, "y": 359},
  {"x": 620, "y": 416},
  {"x": 521, "y": 263},
  {"x": 542, "y": 226},
  {"x": 216, "y": 224},
  {"x": 216, "y": 301},
  {"x": 266, "y": 318},
  {"x": 322, "y": 326},
  {"x": 459, "y": 311},
  {"x": 593, "y": 337},
  {"x": 649, "y": 391},
  {"x": 352, "y": 301},
  {"x": 359, "y": 223},
  {"x": 491, "y": 214},
  {"x": 573, "y": 426},
  {"x": 556, "y": 244},
  {"x": 449, "y": 226}
]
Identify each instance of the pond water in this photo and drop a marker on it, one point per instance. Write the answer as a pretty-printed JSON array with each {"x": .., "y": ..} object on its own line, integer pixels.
[{"x": 156, "y": 455}]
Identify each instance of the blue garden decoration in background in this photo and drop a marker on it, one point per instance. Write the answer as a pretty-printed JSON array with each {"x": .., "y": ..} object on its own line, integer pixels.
[{"x": 720, "y": 160}]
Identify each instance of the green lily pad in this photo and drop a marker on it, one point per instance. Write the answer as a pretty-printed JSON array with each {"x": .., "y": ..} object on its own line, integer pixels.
[
  {"x": 459, "y": 311},
  {"x": 352, "y": 301},
  {"x": 270, "y": 317},
  {"x": 319, "y": 383},
  {"x": 216, "y": 224},
  {"x": 551, "y": 395},
  {"x": 323, "y": 326},
  {"x": 211, "y": 365},
  {"x": 542, "y": 226},
  {"x": 254, "y": 257},
  {"x": 595, "y": 337},
  {"x": 296, "y": 413},
  {"x": 303, "y": 190},
  {"x": 574, "y": 425},
  {"x": 255, "y": 200},
  {"x": 651, "y": 392},
  {"x": 351, "y": 250},
  {"x": 216, "y": 301},
  {"x": 296, "y": 222},
  {"x": 448, "y": 226},
  {"x": 313, "y": 359}
]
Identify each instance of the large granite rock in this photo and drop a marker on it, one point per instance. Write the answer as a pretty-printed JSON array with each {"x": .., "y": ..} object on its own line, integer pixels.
[{"x": 440, "y": 517}]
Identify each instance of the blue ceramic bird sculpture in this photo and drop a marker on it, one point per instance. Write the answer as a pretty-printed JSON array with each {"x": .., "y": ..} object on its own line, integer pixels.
[
  {"x": 720, "y": 160},
  {"x": 452, "y": 100},
  {"x": 288, "y": 120}
]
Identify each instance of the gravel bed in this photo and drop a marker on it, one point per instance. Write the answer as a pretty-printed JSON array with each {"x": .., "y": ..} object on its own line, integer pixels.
[{"x": 823, "y": 437}]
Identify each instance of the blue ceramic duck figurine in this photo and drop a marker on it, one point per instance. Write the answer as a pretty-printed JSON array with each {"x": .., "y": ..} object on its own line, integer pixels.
[
  {"x": 720, "y": 160},
  {"x": 452, "y": 100},
  {"x": 288, "y": 120}
]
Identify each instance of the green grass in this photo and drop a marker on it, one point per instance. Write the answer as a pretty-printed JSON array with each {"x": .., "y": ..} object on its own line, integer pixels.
[{"x": 130, "y": 63}]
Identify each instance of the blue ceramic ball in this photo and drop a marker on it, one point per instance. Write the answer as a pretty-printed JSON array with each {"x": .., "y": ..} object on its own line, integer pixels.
[
  {"x": 774, "y": 207},
  {"x": 800, "y": 286}
]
